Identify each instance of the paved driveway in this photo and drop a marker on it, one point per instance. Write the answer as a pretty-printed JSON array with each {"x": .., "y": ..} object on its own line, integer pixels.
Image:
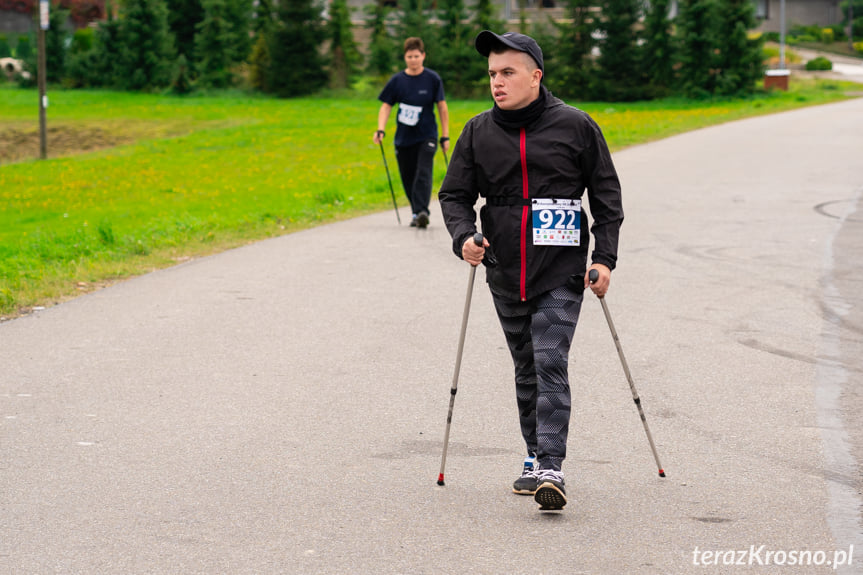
[{"x": 280, "y": 408}]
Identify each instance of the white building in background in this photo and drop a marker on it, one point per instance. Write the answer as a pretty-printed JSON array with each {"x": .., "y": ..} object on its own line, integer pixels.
[{"x": 806, "y": 12}]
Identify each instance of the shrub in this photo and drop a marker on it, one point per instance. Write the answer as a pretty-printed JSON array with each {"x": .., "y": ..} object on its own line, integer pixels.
[
  {"x": 259, "y": 63},
  {"x": 771, "y": 56},
  {"x": 82, "y": 41},
  {"x": 858, "y": 47},
  {"x": 819, "y": 63},
  {"x": 827, "y": 35},
  {"x": 23, "y": 49},
  {"x": 838, "y": 33},
  {"x": 182, "y": 83},
  {"x": 812, "y": 30},
  {"x": 5, "y": 49}
]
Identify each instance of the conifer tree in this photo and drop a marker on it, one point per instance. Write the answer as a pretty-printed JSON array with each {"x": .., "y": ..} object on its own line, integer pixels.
[
  {"x": 214, "y": 46},
  {"x": 382, "y": 50},
  {"x": 102, "y": 61},
  {"x": 658, "y": 48},
  {"x": 239, "y": 16},
  {"x": 483, "y": 19},
  {"x": 146, "y": 47},
  {"x": 570, "y": 66},
  {"x": 852, "y": 9},
  {"x": 263, "y": 16},
  {"x": 740, "y": 59},
  {"x": 296, "y": 64},
  {"x": 620, "y": 75},
  {"x": 415, "y": 23},
  {"x": 345, "y": 58},
  {"x": 455, "y": 51},
  {"x": 56, "y": 40},
  {"x": 696, "y": 27},
  {"x": 183, "y": 19}
]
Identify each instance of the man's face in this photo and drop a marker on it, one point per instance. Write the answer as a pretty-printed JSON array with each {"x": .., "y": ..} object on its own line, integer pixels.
[
  {"x": 414, "y": 60},
  {"x": 514, "y": 79}
]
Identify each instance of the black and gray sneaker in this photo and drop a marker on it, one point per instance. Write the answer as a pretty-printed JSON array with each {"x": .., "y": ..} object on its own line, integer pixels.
[
  {"x": 422, "y": 219},
  {"x": 526, "y": 484},
  {"x": 550, "y": 491}
]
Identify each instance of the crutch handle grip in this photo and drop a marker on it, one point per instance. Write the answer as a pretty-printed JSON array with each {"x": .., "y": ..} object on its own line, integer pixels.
[
  {"x": 488, "y": 260},
  {"x": 592, "y": 276}
]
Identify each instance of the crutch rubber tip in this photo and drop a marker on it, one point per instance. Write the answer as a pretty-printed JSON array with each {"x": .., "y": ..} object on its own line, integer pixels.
[
  {"x": 661, "y": 473},
  {"x": 440, "y": 479}
]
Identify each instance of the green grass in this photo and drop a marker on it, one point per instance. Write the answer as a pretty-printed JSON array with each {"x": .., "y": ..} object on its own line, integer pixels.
[{"x": 203, "y": 174}]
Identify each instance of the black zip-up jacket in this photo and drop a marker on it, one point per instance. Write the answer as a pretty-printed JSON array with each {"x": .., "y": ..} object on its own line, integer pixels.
[{"x": 559, "y": 155}]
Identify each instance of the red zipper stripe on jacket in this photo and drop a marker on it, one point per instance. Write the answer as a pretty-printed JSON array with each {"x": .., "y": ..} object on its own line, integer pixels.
[{"x": 524, "y": 214}]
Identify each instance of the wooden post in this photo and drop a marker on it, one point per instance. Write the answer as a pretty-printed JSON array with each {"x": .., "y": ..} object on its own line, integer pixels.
[{"x": 44, "y": 7}]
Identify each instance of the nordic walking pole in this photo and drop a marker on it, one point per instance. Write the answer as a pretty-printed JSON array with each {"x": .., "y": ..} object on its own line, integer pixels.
[
  {"x": 387, "y": 168},
  {"x": 593, "y": 276},
  {"x": 477, "y": 238},
  {"x": 445, "y": 161}
]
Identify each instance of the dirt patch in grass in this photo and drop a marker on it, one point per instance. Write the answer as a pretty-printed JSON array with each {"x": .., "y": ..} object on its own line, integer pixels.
[{"x": 21, "y": 143}]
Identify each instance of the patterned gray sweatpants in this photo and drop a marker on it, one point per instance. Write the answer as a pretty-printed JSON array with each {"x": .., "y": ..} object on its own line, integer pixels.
[{"x": 539, "y": 334}]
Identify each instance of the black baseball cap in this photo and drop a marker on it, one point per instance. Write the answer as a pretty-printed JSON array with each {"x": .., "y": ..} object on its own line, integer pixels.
[{"x": 486, "y": 40}]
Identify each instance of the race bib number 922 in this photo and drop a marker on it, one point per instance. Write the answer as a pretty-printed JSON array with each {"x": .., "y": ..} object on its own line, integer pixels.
[{"x": 556, "y": 222}]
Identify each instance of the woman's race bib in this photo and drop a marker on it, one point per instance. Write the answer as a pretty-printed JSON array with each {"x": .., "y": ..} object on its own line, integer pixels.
[
  {"x": 556, "y": 222},
  {"x": 409, "y": 115}
]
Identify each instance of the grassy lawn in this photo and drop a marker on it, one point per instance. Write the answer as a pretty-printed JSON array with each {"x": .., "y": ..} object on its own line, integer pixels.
[{"x": 138, "y": 182}]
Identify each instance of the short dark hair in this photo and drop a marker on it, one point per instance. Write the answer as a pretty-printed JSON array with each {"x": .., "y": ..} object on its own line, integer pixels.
[
  {"x": 414, "y": 43},
  {"x": 501, "y": 48}
]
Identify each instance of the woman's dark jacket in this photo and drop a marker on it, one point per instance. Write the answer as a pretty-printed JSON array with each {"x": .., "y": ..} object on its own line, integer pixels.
[{"x": 557, "y": 155}]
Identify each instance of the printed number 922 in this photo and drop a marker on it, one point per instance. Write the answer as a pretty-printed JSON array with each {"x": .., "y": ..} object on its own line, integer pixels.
[{"x": 558, "y": 219}]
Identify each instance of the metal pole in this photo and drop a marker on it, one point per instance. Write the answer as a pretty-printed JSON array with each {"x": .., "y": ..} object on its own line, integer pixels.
[
  {"x": 592, "y": 276},
  {"x": 781, "y": 34},
  {"x": 392, "y": 192},
  {"x": 635, "y": 397},
  {"x": 477, "y": 238},
  {"x": 42, "y": 76}
]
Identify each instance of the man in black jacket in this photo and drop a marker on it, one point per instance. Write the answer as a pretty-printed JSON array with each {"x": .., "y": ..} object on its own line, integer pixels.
[{"x": 532, "y": 158}]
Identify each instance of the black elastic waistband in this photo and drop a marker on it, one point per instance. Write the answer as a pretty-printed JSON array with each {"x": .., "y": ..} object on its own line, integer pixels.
[{"x": 506, "y": 201}]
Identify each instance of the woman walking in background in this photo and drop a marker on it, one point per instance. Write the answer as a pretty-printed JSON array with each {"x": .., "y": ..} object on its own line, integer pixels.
[{"x": 416, "y": 90}]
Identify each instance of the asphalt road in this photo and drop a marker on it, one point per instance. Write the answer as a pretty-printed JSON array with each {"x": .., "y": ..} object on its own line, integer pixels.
[{"x": 280, "y": 408}]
